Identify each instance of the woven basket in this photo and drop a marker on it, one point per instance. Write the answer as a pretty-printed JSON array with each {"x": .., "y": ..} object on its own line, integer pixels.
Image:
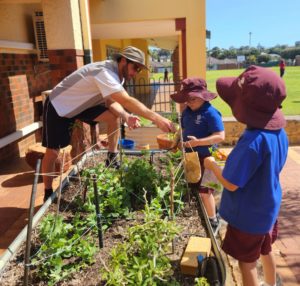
[{"x": 164, "y": 142}]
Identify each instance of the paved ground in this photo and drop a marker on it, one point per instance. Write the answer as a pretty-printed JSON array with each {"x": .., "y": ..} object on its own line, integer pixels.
[
  {"x": 16, "y": 180},
  {"x": 288, "y": 244}
]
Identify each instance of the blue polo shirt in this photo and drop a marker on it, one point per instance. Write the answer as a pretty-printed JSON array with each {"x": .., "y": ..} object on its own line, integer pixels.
[
  {"x": 254, "y": 165},
  {"x": 201, "y": 123}
]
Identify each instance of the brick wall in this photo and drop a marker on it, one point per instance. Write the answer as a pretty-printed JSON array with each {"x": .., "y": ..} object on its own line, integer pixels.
[
  {"x": 63, "y": 63},
  {"x": 22, "y": 78},
  {"x": 227, "y": 66},
  {"x": 234, "y": 129}
]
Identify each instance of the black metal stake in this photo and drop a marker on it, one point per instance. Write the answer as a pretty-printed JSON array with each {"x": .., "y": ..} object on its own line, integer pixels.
[
  {"x": 98, "y": 215},
  {"x": 30, "y": 219}
]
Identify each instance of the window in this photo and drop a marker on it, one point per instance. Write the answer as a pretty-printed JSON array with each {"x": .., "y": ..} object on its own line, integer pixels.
[{"x": 110, "y": 51}]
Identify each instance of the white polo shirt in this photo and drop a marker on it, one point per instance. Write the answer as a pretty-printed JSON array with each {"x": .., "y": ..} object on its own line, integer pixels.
[{"x": 85, "y": 88}]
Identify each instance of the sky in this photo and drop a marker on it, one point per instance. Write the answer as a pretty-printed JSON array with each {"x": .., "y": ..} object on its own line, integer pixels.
[{"x": 270, "y": 22}]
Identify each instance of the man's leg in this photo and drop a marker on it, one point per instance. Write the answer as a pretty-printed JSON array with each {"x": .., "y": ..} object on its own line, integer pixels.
[
  {"x": 113, "y": 129},
  {"x": 113, "y": 134},
  {"x": 48, "y": 166}
]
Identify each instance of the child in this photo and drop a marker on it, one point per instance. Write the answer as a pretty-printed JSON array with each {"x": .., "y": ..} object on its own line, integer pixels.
[
  {"x": 252, "y": 193},
  {"x": 202, "y": 127}
]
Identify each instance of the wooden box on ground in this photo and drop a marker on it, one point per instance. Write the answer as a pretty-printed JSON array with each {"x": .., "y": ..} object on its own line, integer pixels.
[
  {"x": 196, "y": 246},
  {"x": 143, "y": 136}
]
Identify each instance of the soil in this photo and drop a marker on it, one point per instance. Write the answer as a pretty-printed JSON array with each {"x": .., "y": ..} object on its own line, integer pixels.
[{"x": 188, "y": 219}]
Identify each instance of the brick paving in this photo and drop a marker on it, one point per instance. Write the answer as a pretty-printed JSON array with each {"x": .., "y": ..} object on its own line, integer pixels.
[{"x": 288, "y": 243}]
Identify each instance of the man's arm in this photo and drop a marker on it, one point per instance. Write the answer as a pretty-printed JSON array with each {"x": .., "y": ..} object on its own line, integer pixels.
[
  {"x": 117, "y": 109},
  {"x": 134, "y": 106}
]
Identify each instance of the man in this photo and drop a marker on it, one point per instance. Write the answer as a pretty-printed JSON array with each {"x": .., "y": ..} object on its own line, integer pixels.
[
  {"x": 166, "y": 74},
  {"x": 94, "y": 93}
]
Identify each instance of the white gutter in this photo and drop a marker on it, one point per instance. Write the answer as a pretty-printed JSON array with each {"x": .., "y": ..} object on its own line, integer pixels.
[{"x": 20, "y": 133}]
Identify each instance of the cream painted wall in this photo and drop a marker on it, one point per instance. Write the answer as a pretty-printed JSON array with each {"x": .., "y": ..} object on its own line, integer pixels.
[
  {"x": 118, "y": 11},
  {"x": 196, "y": 38},
  {"x": 99, "y": 47},
  {"x": 85, "y": 21},
  {"x": 142, "y": 45},
  {"x": 99, "y": 52},
  {"x": 62, "y": 24},
  {"x": 16, "y": 22}
]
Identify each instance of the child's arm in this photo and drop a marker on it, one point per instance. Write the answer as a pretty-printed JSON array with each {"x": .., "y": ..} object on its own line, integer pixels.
[
  {"x": 214, "y": 138},
  {"x": 210, "y": 164}
]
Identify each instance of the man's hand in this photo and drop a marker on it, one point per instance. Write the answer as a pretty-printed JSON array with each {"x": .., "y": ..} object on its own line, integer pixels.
[
  {"x": 209, "y": 162},
  {"x": 133, "y": 122},
  {"x": 165, "y": 124}
]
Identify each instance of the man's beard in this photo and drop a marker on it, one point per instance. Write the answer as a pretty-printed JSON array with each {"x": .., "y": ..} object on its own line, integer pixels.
[{"x": 125, "y": 72}]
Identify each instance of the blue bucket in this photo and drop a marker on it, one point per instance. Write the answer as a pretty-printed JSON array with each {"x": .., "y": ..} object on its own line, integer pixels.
[{"x": 127, "y": 143}]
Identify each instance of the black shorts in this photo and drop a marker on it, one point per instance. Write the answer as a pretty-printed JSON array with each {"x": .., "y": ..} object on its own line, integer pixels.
[{"x": 57, "y": 130}]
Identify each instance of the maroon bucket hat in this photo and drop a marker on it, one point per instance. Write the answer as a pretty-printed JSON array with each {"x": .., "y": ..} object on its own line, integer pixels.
[
  {"x": 193, "y": 87},
  {"x": 255, "y": 97}
]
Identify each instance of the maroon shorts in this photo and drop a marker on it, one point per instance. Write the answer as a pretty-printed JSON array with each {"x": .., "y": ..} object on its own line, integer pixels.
[{"x": 247, "y": 247}]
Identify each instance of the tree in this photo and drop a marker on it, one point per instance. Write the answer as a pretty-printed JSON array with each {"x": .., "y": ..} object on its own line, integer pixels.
[
  {"x": 263, "y": 58},
  {"x": 251, "y": 59},
  {"x": 290, "y": 53},
  {"x": 215, "y": 52}
]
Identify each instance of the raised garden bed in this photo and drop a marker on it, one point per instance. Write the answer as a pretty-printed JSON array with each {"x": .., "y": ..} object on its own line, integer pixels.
[{"x": 65, "y": 247}]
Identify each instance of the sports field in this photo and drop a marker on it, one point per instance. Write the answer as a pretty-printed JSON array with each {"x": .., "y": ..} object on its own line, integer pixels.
[{"x": 291, "y": 105}]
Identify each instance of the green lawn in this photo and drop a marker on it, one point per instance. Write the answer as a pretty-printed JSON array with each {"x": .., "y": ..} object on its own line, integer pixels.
[{"x": 291, "y": 105}]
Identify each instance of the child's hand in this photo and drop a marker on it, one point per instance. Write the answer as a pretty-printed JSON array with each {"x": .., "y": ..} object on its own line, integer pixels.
[
  {"x": 209, "y": 162},
  {"x": 191, "y": 143}
]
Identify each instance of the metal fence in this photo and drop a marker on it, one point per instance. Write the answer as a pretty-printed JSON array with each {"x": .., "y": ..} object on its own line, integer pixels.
[{"x": 154, "y": 93}]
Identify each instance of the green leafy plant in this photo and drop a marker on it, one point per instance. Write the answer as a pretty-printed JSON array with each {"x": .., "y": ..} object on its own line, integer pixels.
[
  {"x": 114, "y": 200},
  {"x": 201, "y": 281},
  {"x": 64, "y": 250},
  {"x": 145, "y": 122},
  {"x": 141, "y": 259},
  {"x": 139, "y": 175},
  {"x": 68, "y": 245}
]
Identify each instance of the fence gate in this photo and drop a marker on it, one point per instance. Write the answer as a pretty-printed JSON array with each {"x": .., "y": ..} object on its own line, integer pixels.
[{"x": 154, "y": 93}]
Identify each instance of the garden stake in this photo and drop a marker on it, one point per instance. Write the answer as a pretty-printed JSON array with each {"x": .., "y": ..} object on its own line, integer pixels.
[
  {"x": 183, "y": 157},
  {"x": 29, "y": 228},
  {"x": 98, "y": 215},
  {"x": 122, "y": 137},
  {"x": 151, "y": 158},
  {"x": 172, "y": 194},
  {"x": 60, "y": 182},
  {"x": 172, "y": 202}
]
